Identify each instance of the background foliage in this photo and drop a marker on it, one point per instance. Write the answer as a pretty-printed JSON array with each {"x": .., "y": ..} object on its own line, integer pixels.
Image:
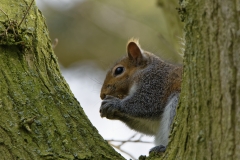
[{"x": 99, "y": 30}]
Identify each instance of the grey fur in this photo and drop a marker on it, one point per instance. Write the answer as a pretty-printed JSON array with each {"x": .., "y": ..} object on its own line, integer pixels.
[{"x": 146, "y": 105}]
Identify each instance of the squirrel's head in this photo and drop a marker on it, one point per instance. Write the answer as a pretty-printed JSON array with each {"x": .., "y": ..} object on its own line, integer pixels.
[{"x": 119, "y": 78}]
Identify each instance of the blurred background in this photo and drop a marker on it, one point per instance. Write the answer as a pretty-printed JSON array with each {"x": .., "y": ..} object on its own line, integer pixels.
[{"x": 92, "y": 35}]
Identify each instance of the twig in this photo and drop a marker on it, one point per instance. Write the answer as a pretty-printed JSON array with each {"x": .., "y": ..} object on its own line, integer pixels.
[
  {"x": 5, "y": 14},
  {"x": 26, "y": 13},
  {"x": 124, "y": 141},
  {"x": 119, "y": 148},
  {"x": 54, "y": 45},
  {"x": 11, "y": 25},
  {"x": 130, "y": 140}
]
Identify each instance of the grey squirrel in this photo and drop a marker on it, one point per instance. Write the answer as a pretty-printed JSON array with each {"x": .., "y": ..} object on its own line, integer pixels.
[{"x": 142, "y": 91}]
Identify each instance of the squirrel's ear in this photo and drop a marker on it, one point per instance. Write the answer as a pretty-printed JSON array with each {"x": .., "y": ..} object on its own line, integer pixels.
[{"x": 134, "y": 50}]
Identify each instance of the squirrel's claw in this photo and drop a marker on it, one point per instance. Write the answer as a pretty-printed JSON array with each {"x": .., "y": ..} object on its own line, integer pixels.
[
  {"x": 158, "y": 149},
  {"x": 109, "y": 107}
]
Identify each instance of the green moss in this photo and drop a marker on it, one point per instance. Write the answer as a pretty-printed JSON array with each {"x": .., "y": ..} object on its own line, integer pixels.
[
  {"x": 12, "y": 35},
  {"x": 40, "y": 118}
]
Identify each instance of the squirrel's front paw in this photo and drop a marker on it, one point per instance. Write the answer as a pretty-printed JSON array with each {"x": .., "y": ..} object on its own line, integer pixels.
[
  {"x": 110, "y": 107},
  {"x": 158, "y": 149}
]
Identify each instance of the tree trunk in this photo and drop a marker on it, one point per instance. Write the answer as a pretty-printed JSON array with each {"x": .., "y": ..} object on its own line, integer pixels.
[
  {"x": 39, "y": 116},
  {"x": 207, "y": 124}
]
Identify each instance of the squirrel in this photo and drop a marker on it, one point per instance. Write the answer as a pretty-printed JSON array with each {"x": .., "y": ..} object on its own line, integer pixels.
[{"x": 142, "y": 91}]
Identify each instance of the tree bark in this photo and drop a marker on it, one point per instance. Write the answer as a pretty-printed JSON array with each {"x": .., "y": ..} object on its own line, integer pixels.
[
  {"x": 207, "y": 124},
  {"x": 39, "y": 116}
]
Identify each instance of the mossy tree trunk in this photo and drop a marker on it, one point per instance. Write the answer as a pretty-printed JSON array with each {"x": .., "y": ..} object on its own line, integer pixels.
[
  {"x": 39, "y": 116},
  {"x": 207, "y": 125}
]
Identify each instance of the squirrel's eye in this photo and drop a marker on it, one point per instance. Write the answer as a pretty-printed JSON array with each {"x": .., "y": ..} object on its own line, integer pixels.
[{"x": 118, "y": 70}]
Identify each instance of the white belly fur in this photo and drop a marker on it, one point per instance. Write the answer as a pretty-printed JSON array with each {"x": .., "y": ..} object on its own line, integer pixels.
[{"x": 161, "y": 138}]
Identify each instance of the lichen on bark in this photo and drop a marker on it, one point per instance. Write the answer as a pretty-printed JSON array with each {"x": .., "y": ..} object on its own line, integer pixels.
[
  {"x": 40, "y": 118},
  {"x": 207, "y": 122}
]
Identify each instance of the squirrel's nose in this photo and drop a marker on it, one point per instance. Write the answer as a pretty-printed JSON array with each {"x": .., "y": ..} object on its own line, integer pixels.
[{"x": 102, "y": 95}]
